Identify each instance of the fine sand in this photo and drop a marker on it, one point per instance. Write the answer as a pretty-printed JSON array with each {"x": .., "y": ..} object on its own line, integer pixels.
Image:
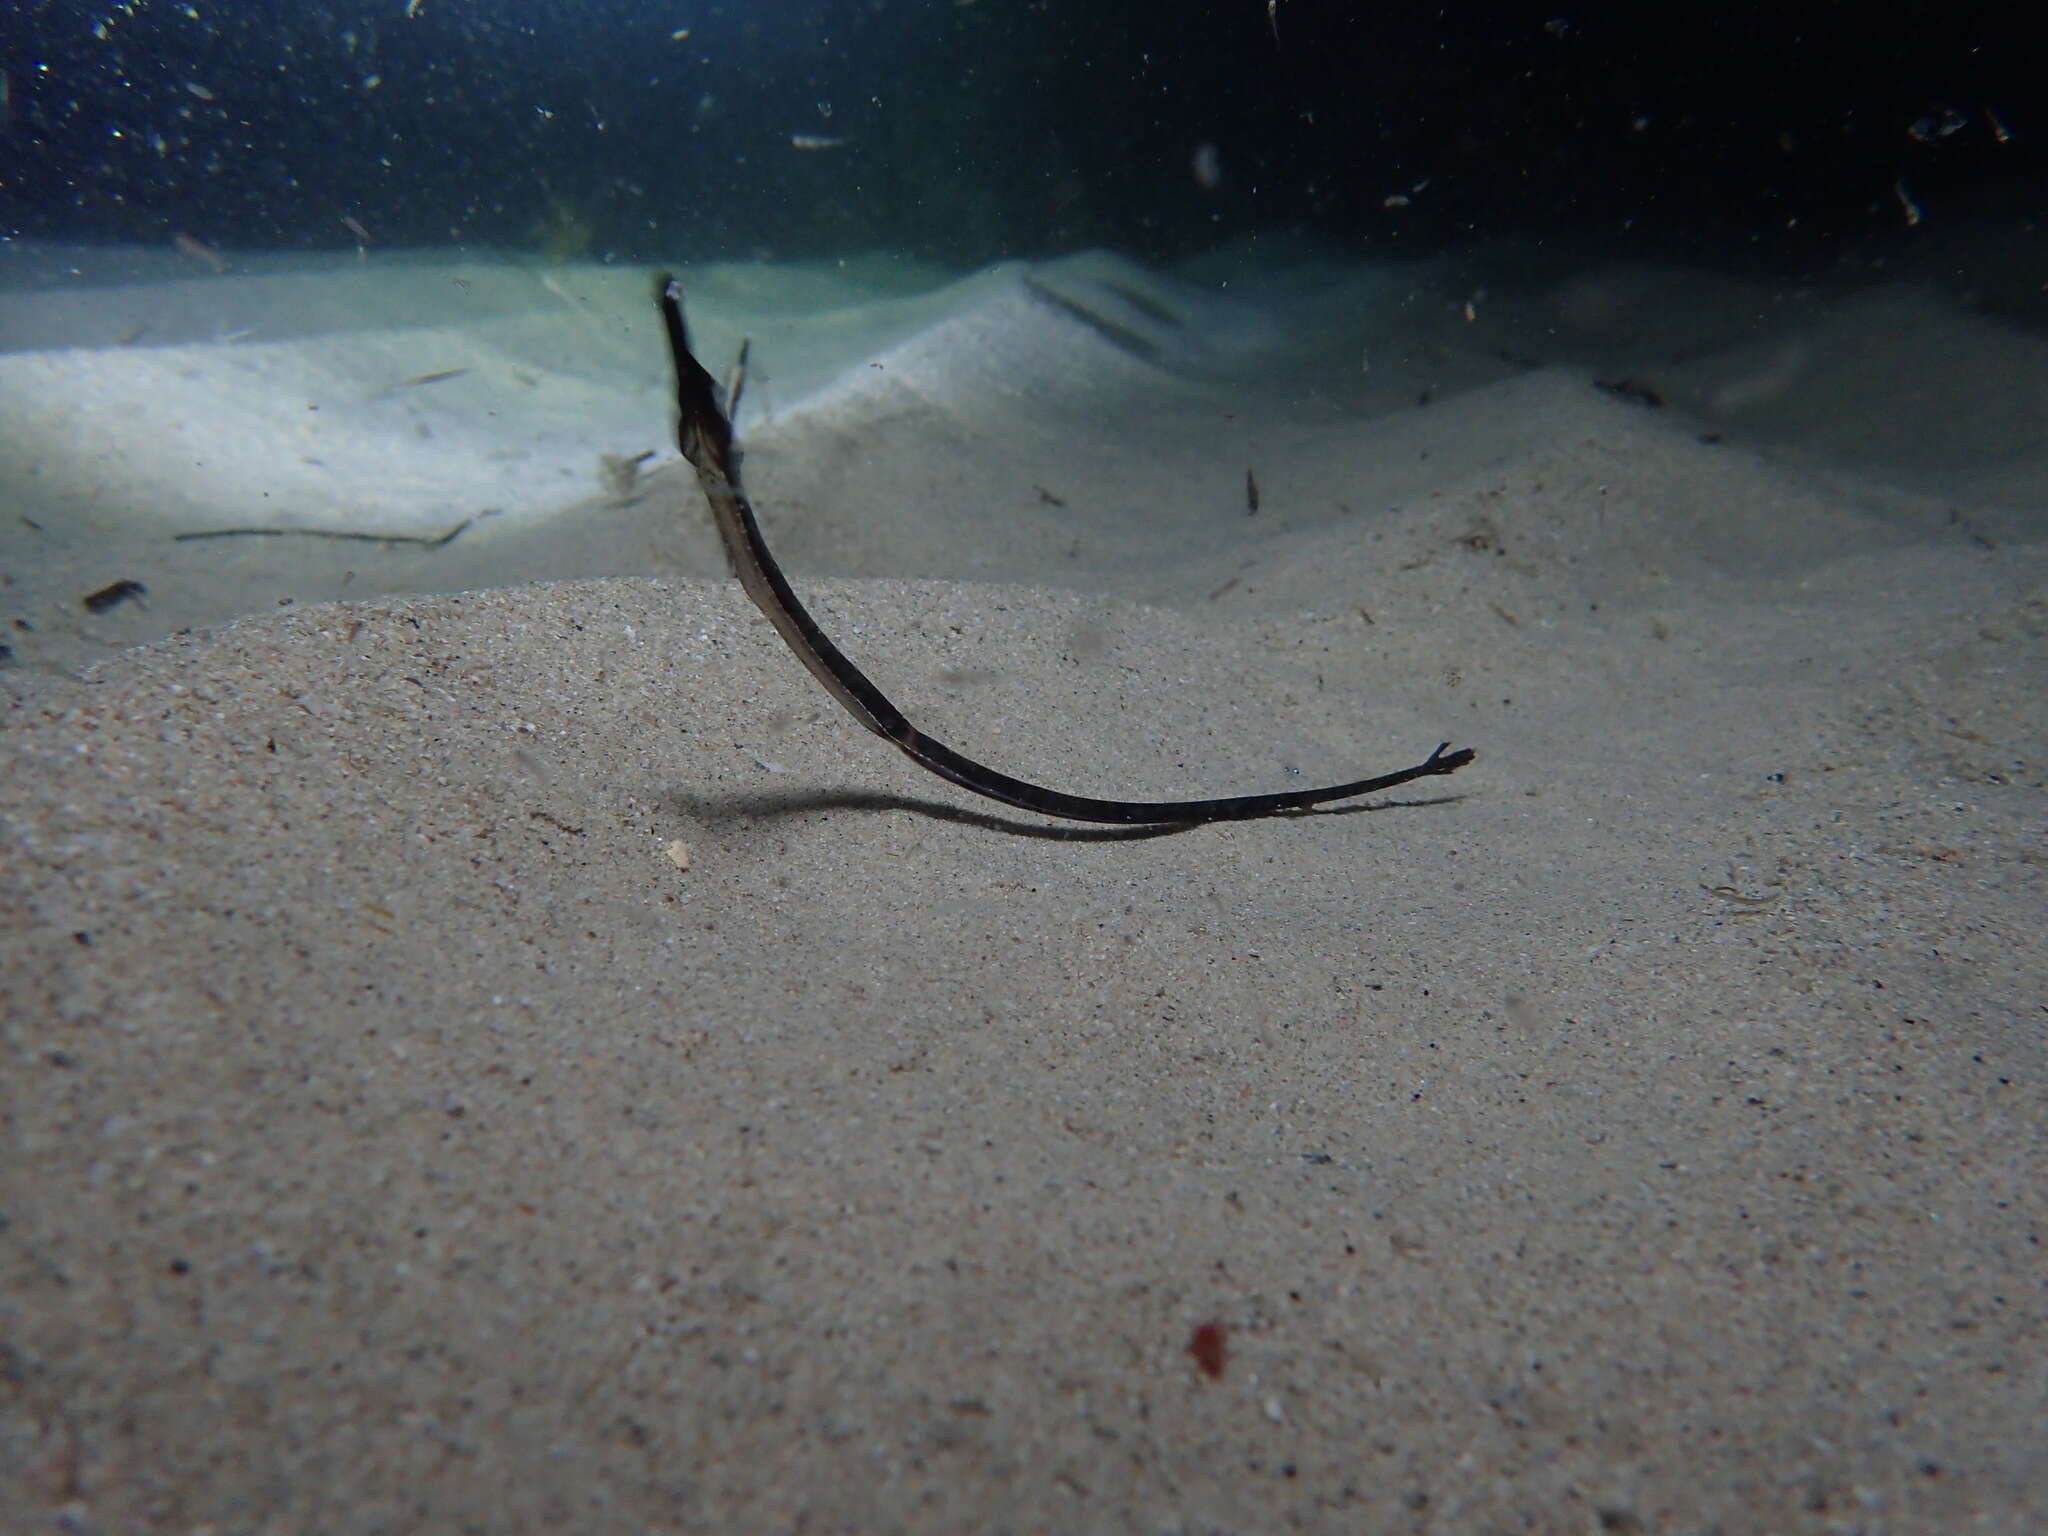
[{"x": 523, "y": 1058}]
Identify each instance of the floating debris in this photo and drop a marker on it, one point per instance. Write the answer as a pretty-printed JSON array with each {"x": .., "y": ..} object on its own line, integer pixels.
[
  {"x": 200, "y": 251},
  {"x": 1907, "y": 206}
]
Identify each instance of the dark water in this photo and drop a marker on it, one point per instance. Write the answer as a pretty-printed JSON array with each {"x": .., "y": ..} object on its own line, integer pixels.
[{"x": 967, "y": 130}]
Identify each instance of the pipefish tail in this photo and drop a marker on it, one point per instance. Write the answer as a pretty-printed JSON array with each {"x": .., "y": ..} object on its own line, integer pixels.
[{"x": 704, "y": 434}]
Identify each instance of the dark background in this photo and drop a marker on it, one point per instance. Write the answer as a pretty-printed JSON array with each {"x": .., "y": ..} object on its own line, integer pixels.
[{"x": 1739, "y": 133}]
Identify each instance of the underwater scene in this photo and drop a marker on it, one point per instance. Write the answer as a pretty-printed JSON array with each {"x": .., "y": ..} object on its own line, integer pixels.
[{"x": 1445, "y": 930}]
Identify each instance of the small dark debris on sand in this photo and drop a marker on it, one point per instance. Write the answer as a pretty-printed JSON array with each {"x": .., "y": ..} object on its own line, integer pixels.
[{"x": 113, "y": 594}]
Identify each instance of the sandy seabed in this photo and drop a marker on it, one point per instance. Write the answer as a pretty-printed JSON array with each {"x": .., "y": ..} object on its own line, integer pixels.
[{"x": 491, "y": 1046}]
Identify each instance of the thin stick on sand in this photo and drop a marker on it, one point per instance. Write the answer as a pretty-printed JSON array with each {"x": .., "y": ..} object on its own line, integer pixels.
[
  {"x": 343, "y": 535},
  {"x": 704, "y": 434}
]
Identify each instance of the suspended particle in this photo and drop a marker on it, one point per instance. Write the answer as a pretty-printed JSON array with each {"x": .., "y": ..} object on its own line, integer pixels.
[{"x": 1906, "y": 203}]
